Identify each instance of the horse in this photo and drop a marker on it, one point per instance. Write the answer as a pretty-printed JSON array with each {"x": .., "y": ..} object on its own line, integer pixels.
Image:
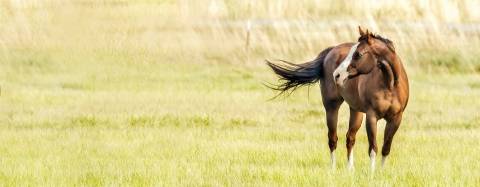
[{"x": 368, "y": 75}]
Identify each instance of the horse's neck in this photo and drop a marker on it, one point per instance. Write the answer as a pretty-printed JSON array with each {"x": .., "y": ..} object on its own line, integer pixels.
[
  {"x": 394, "y": 73},
  {"x": 398, "y": 71},
  {"x": 401, "y": 82},
  {"x": 388, "y": 74}
]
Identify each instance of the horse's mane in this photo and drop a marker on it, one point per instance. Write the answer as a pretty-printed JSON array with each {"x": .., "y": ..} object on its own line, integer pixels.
[{"x": 388, "y": 42}]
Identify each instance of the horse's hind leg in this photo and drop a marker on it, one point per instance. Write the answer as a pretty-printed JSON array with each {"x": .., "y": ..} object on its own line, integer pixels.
[
  {"x": 331, "y": 102},
  {"x": 332, "y": 106},
  {"x": 353, "y": 126},
  {"x": 390, "y": 130}
]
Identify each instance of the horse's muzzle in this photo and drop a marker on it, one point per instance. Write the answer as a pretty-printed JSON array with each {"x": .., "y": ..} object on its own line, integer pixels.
[{"x": 340, "y": 78}]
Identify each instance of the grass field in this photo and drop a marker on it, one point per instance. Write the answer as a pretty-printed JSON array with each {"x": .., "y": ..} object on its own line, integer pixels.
[{"x": 108, "y": 93}]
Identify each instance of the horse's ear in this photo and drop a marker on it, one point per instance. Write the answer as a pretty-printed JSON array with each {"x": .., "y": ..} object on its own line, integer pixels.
[
  {"x": 360, "y": 31},
  {"x": 369, "y": 37}
]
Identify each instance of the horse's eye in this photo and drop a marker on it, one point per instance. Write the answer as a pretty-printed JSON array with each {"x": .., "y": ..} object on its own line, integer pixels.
[{"x": 356, "y": 55}]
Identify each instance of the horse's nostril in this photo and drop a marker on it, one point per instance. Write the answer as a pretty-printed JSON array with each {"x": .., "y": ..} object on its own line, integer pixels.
[{"x": 337, "y": 76}]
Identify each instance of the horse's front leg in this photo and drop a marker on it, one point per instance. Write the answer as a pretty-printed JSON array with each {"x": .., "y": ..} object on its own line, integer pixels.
[
  {"x": 390, "y": 129},
  {"x": 353, "y": 126},
  {"x": 371, "y": 125}
]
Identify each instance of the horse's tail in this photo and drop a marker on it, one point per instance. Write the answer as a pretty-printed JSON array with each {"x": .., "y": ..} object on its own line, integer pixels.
[{"x": 293, "y": 75}]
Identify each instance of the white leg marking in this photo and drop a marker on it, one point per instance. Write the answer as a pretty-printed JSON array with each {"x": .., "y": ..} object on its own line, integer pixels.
[
  {"x": 350, "y": 161},
  {"x": 341, "y": 70},
  {"x": 372, "y": 160},
  {"x": 333, "y": 159},
  {"x": 384, "y": 158}
]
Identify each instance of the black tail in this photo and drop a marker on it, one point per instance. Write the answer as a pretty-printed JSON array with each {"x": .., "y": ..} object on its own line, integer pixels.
[{"x": 293, "y": 76}]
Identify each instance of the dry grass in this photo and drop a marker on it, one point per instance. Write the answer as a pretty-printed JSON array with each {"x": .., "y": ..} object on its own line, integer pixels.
[{"x": 430, "y": 35}]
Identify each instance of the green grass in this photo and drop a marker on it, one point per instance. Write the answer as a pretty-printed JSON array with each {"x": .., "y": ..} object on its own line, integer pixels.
[
  {"x": 212, "y": 124},
  {"x": 150, "y": 93}
]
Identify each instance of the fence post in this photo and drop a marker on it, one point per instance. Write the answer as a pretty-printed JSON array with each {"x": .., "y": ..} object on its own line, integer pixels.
[{"x": 248, "y": 30}]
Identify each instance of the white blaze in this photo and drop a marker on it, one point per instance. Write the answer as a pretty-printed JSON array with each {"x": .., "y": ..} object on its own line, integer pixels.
[{"x": 342, "y": 68}]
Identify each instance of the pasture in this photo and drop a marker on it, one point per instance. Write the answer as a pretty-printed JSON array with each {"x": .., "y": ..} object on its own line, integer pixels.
[{"x": 147, "y": 93}]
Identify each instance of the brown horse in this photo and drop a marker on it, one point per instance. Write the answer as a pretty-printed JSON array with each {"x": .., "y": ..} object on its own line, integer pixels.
[{"x": 368, "y": 75}]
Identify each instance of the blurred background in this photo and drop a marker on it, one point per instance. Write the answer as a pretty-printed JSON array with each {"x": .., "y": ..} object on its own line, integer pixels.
[{"x": 430, "y": 35}]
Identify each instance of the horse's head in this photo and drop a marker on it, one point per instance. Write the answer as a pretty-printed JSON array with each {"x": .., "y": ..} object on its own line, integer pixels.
[{"x": 370, "y": 51}]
